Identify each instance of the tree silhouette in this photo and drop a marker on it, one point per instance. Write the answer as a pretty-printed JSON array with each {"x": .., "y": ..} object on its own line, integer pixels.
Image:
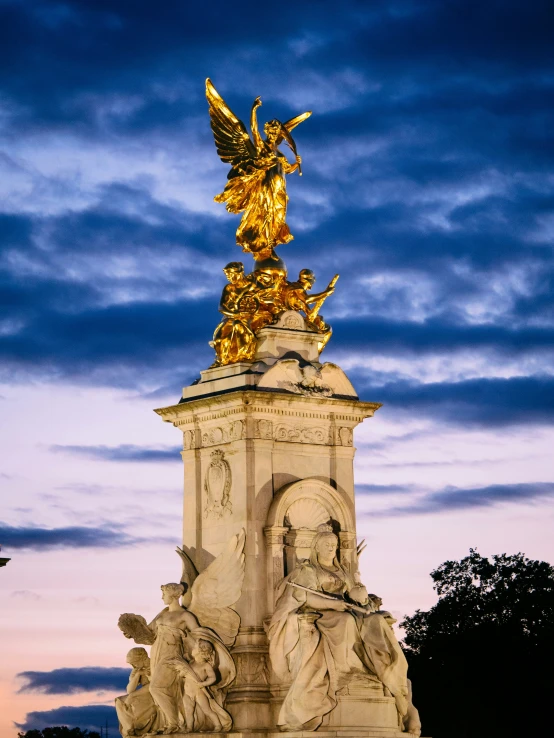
[
  {"x": 60, "y": 731},
  {"x": 481, "y": 658}
]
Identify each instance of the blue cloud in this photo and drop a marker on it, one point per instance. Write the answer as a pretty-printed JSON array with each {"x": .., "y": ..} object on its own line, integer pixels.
[
  {"x": 428, "y": 162},
  {"x": 125, "y": 452},
  {"x": 75, "y": 680},
  {"x": 383, "y": 489},
  {"x": 451, "y": 499},
  {"x": 86, "y": 717},
  {"x": 475, "y": 402},
  {"x": 44, "y": 539}
]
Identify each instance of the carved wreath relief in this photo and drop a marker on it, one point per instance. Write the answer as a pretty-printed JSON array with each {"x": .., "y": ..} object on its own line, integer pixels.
[
  {"x": 217, "y": 485},
  {"x": 252, "y": 668}
]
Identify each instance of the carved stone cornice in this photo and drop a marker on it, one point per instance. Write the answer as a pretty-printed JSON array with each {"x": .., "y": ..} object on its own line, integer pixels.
[
  {"x": 266, "y": 401},
  {"x": 271, "y": 416}
]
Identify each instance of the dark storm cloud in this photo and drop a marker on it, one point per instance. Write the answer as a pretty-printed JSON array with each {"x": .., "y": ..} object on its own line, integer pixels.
[
  {"x": 74, "y": 680},
  {"x": 45, "y": 539},
  {"x": 451, "y": 499},
  {"x": 109, "y": 340},
  {"x": 476, "y": 402},
  {"x": 125, "y": 452},
  {"x": 86, "y": 717},
  {"x": 428, "y": 159},
  {"x": 439, "y": 336}
]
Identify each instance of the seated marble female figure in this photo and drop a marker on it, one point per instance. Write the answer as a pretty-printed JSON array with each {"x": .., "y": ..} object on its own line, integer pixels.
[
  {"x": 350, "y": 645},
  {"x": 137, "y": 711}
]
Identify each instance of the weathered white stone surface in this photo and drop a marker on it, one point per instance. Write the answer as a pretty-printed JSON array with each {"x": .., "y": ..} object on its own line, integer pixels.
[
  {"x": 311, "y": 380},
  {"x": 275, "y": 342},
  {"x": 325, "y": 733},
  {"x": 268, "y": 448},
  {"x": 190, "y": 666}
]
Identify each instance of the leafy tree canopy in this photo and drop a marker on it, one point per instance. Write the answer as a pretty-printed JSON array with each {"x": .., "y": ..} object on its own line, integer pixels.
[
  {"x": 60, "y": 731},
  {"x": 480, "y": 659}
]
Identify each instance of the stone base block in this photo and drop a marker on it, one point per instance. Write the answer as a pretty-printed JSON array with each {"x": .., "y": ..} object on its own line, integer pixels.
[
  {"x": 365, "y": 713},
  {"x": 248, "y": 716},
  {"x": 323, "y": 732}
]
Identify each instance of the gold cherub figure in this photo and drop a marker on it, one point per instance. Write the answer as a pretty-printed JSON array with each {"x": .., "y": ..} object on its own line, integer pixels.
[{"x": 256, "y": 185}]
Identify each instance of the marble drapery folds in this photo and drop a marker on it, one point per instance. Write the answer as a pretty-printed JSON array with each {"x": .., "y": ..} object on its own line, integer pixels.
[{"x": 320, "y": 649}]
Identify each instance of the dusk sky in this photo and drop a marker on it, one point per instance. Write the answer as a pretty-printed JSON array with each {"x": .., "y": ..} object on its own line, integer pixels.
[{"x": 428, "y": 185}]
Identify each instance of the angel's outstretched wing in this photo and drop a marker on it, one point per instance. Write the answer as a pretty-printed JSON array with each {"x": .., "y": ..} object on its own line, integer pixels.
[
  {"x": 219, "y": 587},
  {"x": 232, "y": 141},
  {"x": 188, "y": 575}
]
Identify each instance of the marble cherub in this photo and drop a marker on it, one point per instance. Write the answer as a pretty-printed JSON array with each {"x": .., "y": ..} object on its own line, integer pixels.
[{"x": 201, "y": 705}]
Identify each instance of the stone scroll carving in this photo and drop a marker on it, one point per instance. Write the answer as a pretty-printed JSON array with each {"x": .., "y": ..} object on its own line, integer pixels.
[
  {"x": 224, "y": 433},
  {"x": 300, "y": 434},
  {"x": 344, "y": 436},
  {"x": 269, "y": 430},
  {"x": 188, "y": 440},
  {"x": 184, "y": 682},
  {"x": 217, "y": 486}
]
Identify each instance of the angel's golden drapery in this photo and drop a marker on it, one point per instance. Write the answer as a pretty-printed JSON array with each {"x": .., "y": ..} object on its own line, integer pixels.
[
  {"x": 257, "y": 185},
  {"x": 262, "y": 197}
]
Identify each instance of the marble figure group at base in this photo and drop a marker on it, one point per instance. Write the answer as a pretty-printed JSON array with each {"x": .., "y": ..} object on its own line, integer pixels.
[
  {"x": 182, "y": 688},
  {"x": 326, "y": 632}
]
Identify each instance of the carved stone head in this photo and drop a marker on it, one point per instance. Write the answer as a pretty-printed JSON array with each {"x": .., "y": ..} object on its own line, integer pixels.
[{"x": 171, "y": 592}]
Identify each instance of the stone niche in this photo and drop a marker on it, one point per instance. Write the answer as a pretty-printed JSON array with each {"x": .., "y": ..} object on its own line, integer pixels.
[
  {"x": 294, "y": 516},
  {"x": 296, "y": 511}
]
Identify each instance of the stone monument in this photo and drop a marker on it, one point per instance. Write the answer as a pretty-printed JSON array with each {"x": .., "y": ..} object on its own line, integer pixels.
[{"x": 269, "y": 629}]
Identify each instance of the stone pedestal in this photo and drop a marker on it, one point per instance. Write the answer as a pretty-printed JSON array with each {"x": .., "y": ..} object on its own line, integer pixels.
[{"x": 268, "y": 447}]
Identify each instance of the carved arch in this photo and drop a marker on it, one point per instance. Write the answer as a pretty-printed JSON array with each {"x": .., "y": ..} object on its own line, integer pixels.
[
  {"x": 308, "y": 498},
  {"x": 336, "y": 504}
]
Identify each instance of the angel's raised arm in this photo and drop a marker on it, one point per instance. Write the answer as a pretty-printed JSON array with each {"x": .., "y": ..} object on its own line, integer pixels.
[{"x": 254, "y": 123}]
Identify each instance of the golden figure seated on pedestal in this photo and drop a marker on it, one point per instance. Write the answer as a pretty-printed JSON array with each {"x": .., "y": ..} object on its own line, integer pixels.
[
  {"x": 257, "y": 189},
  {"x": 252, "y": 301}
]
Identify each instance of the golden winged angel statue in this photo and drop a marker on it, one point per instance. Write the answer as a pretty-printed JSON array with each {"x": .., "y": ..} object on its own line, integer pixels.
[{"x": 256, "y": 185}]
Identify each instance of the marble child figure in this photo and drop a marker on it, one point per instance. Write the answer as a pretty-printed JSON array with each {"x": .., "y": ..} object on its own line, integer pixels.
[
  {"x": 202, "y": 710},
  {"x": 233, "y": 339}
]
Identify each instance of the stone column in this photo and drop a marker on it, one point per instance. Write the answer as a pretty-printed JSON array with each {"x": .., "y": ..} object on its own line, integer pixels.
[
  {"x": 242, "y": 446},
  {"x": 275, "y": 569}
]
